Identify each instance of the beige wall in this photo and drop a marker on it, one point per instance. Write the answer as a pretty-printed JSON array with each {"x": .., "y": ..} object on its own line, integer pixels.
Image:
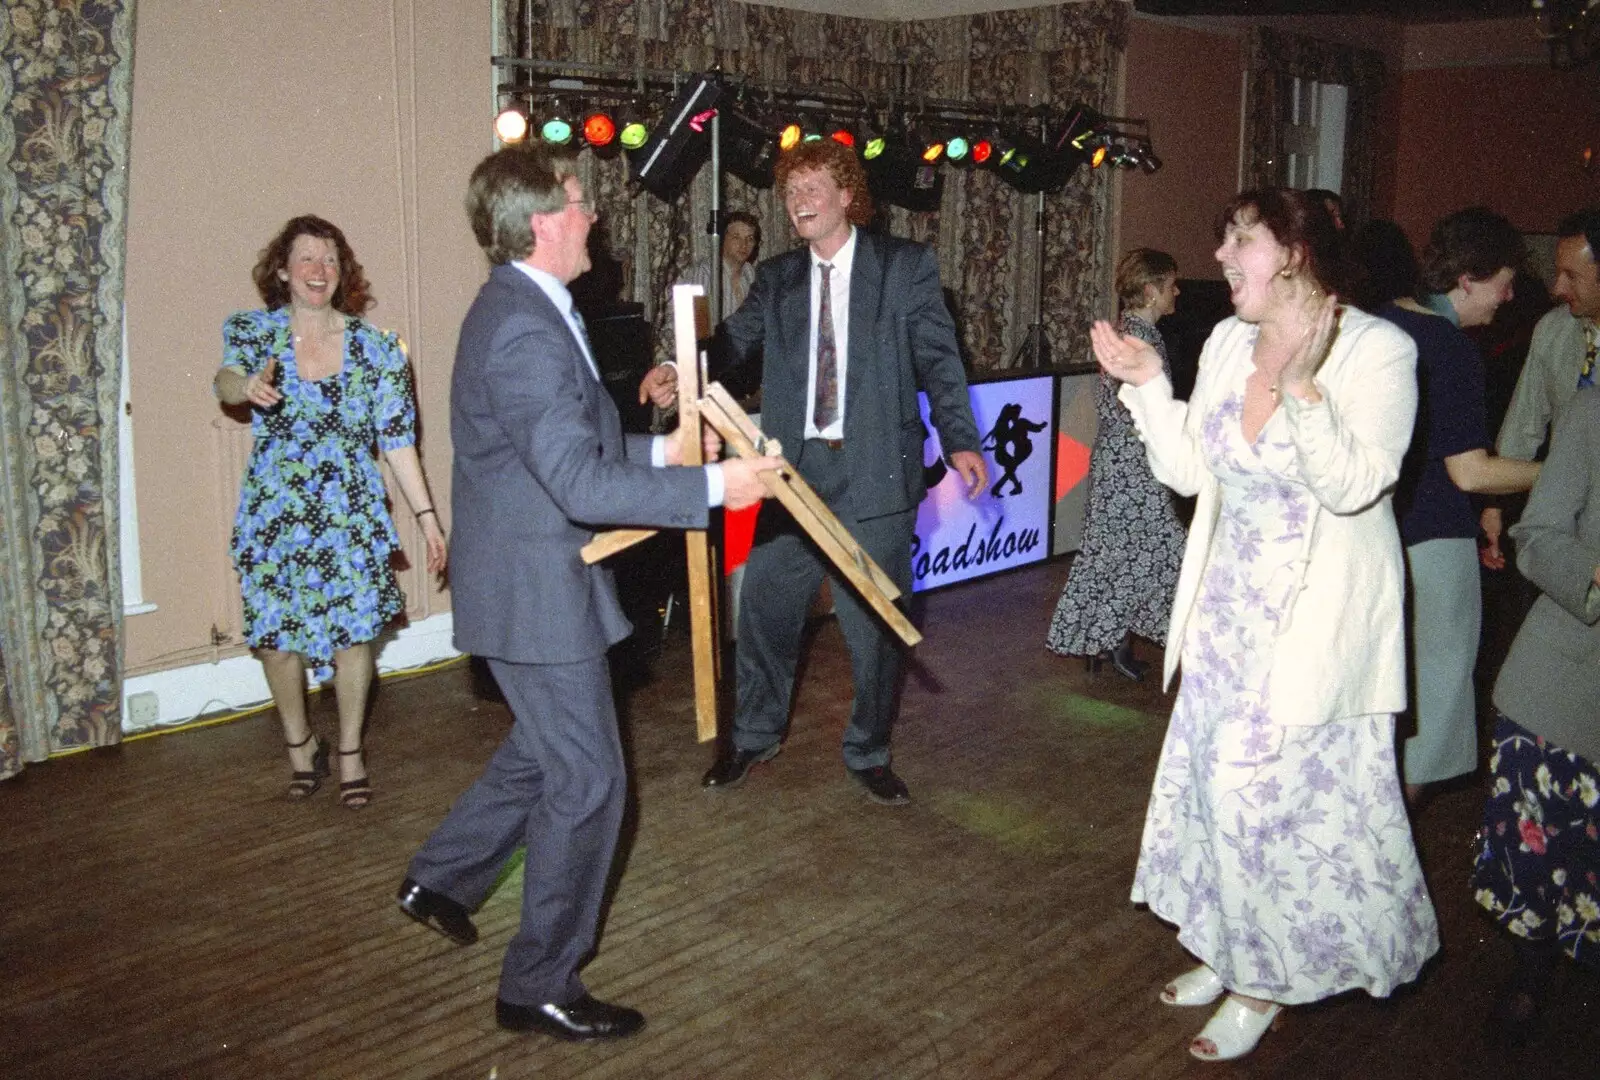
[
  {"x": 368, "y": 112},
  {"x": 1193, "y": 109}
]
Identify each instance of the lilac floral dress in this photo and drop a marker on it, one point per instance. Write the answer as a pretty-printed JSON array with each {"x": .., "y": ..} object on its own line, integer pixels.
[{"x": 1282, "y": 853}]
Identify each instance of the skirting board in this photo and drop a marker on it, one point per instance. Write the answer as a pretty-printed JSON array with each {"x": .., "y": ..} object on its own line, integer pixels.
[{"x": 186, "y": 693}]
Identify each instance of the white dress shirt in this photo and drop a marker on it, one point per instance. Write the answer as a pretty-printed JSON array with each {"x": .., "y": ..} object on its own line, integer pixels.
[{"x": 839, "y": 304}]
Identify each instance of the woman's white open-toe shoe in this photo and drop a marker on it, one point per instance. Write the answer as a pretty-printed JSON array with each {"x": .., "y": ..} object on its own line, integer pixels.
[
  {"x": 1233, "y": 1031},
  {"x": 1201, "y": 986}
]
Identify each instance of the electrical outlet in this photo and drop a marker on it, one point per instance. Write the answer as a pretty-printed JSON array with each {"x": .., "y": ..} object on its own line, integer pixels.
[{"x": 144, "y": 709}]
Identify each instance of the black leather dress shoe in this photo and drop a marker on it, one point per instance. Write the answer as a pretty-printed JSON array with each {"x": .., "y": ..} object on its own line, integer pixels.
[
  {"x": 730, "y": 769},
  {"x": 580, "y": 1021},
  {"x": 882, "y": 785},
  {"x": 436, "y": 912}
]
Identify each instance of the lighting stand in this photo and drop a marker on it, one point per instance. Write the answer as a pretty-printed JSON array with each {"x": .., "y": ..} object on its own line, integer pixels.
[
  {"x": 715, "y": 225},
  {"x": 1034, "y": 352}
]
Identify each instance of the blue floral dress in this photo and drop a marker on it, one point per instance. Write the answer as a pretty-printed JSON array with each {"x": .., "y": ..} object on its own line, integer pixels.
[
  {"x": 1282, "y": 853},
  {"x": 1538, "y": 865},
  {"x": 313, "y": 535}
]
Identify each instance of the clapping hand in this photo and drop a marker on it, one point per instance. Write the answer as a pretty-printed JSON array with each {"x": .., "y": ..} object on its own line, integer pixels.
[
  {"x": 1316, "y": 338},
  {"x": 1123, "y": 356}
]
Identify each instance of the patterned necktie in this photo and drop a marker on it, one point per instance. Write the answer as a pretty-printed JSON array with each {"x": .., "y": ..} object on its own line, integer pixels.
[
  {"x": 1586, "y": 373},
  {"x": 825, "y": 405}
]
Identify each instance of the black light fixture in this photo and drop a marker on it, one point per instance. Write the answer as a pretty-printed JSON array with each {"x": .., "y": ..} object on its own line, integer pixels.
[
  {"x": 681, "y": 143},
  {"x": 749, "y": 148},
  {"x": 900, "y": 175}
]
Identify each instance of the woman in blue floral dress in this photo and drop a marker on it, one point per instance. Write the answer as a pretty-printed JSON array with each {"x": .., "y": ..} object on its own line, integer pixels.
[
  {"x": 313, "y": 535},
  {"x": 1276, "y": 838}
]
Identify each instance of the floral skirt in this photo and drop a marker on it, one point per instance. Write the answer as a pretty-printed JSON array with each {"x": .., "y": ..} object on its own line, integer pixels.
[{"x": 1538, "y": 867}]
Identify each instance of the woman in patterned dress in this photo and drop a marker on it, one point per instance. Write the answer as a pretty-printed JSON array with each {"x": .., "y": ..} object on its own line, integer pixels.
[
  {"x": 313, "y": 535},
  {"x": 1122, "y": 580},
  {"x": 1538, "y": 866},
  {"x": 1276, "y": 838}
]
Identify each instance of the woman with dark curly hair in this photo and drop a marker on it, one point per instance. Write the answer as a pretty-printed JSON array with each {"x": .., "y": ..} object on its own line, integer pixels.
[{"x": 313, "y": 535}]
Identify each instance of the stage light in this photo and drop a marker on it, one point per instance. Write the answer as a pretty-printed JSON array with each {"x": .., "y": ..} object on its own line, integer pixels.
[
  {"x": 1031, "y": 166},
  {"x": 511, "y": 126},
  {"x": 749, "y": 148},
  {"x": 633, "y": 133},
  {"x": 927, "y": 143},
  {"x": 843, "y": 137},
  {"x": 789, "y": 137},
  {"x": 957, "y": 150},
  {"x": 557, "y": 131},
  {"x": 1098, "y": 158},
  {"x": 982, "y": 151},
  {"x": 681, "y": 143},
  {"x": 900, "y": 177},
  {"x": 870, "y": 139},
  {"x": 599, "y": 130}
]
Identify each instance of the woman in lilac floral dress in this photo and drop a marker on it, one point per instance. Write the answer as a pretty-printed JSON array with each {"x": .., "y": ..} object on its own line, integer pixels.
[{"x": 1276, "y": 838}]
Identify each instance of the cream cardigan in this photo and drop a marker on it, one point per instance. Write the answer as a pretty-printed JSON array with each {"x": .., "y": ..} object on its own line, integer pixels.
[{"x": 1341, "y": 650}]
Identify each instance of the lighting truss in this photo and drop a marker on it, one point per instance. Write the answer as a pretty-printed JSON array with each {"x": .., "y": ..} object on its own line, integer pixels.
[{"x": 1035, "y": 149}]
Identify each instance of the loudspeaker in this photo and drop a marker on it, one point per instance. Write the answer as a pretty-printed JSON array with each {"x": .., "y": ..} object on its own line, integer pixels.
[{"x": 620, "y": 338}]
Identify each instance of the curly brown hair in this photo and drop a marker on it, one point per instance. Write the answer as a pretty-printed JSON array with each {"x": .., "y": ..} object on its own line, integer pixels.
[
  {"x": 352, "y": 297},
  {"x": 841, "y": 163}
]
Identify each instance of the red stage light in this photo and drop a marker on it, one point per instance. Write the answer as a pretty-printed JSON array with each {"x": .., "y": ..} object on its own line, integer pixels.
[
  {"x": 982, "y": 150},
  {"x": 843, "y": 137},
  {"x": 599, "y": 129}
]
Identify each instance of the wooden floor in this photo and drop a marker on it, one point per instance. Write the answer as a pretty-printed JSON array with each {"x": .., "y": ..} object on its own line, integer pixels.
[{"x": 167, "y": 913}]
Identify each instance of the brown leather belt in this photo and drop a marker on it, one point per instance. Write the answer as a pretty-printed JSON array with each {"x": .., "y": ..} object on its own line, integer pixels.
[{"x": 831, "y": 444}]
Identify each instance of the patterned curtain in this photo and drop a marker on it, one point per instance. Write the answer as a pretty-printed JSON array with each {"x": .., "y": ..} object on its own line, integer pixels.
[
  {"x": 65, "y": 81},
  {"x": 1274, "y": 60},
  {"x": 986, "y": 235}
]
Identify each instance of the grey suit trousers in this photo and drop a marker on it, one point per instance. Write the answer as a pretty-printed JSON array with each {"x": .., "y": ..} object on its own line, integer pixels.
[
  {"x": 558, "y": 786},
  {"x": 782, "y": 575}
]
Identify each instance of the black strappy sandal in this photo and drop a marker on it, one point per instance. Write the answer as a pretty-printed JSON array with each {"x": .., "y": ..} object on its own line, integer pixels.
[
  {"x": 303, "y": 784},
  {"x": 354, "y": 794}
]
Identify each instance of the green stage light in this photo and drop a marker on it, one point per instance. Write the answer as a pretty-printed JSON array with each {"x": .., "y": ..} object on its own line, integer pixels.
[
  {"x": 633, "y": 134},
  {"x": 557, "y": 131}
]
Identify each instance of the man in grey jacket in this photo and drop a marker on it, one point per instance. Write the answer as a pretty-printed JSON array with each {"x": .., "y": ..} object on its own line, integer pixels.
[
  {"x": 540, "y": 461},
  {"x": 1561, "y": 357}
]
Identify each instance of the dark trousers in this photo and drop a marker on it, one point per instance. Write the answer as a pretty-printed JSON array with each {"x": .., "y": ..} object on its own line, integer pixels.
[
  {"x": 780, "y": 579},
  {"x": 558, "y": 786}
]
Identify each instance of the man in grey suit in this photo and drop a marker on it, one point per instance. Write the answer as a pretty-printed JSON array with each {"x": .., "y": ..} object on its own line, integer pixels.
[
  {"x": 540, "y": 461},
  {"x": 1561, "y": 358},
  {"x": 850, "y": 328}
]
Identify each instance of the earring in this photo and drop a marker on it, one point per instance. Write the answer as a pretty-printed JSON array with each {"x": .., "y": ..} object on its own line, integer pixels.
[{"x": 1286, "y": 273}]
